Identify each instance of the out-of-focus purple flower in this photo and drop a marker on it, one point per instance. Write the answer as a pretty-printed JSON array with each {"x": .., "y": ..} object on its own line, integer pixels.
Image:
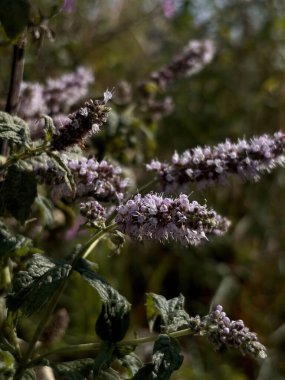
[
  {"x": 163, "y": 219},
  {"x": 168, "y": 8},
  {"x": 69, "y": 6},
  {"x": 190, "y": 61},
  {"x": 206, "y": 165},
  {"x": 55, "y": 97},
  {"x": 75, "y": 231}
]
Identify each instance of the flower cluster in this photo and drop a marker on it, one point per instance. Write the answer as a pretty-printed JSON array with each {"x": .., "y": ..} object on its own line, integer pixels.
[
  {"x": 163, "y": 219},
  {"x": 190, "y": 61},
  {"x": 92, "y": 210},
  {"x": 207, "y": 165},
  {"x": 57, "y": 96},
  {"x": 86, "y": 120},
  {"x": 101, "y": 180},
  {"x": 233, "y": 334}
]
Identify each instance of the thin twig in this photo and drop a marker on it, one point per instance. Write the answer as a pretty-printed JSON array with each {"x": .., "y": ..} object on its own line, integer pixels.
[{"x": 16, "y": 79}]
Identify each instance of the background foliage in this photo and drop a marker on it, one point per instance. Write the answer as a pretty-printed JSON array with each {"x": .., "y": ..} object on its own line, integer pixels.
[{"x": 241, "y": 93}]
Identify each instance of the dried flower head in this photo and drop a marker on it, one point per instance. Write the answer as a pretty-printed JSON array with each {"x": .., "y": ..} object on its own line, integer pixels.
[
  {"x": 86, "y": 120},
  {"x": 163, "y": 219},
  {"x": 206, "y": 165}
]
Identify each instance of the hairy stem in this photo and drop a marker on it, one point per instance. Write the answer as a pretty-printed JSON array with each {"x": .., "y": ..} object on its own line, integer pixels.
[
  {"x": 16, "y": 79},
  {"x": 87, "y": 349}
]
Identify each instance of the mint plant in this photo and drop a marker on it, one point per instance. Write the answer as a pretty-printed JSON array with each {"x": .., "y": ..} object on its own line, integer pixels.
[{"x": 52, "y": 166}]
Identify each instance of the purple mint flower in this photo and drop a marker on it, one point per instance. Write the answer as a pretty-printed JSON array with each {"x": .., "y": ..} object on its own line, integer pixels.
[
  {"x": 221, "y": 331},
  {"x": 102, "y": 180},
  {"x": 168, "y": 8},
  {"x": 32, "y": 101},
  {"x": 190, "y": 61},
  {"x": 55, "y": 97},
  {"x": 69, "y": 6},
  {"x": 164, "y": 219},
  {"x": 206, "y": 165},
  {"x": 62, "y": 93},
  {"x": 93, "y": 211}
]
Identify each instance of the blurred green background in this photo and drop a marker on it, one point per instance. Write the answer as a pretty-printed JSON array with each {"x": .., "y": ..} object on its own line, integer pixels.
[{"x": 241, "y": 93}]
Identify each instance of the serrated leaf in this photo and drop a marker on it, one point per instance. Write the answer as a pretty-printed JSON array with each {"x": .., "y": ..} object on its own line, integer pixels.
[
  {"x": 17, "y": 192},
  {"x": 45, "y": 208},
  {"x": 34, "y": 287},
  {"x": 132, "y": 363},
  {"x": 166, "y": 357},
  {"x": 14, "y": 130},
  {"x": 74, "y": 370},
  {"x": 171, "y": 312},
  {"x": 29, "y": 374},
  {"x": 114, "y": 318},
  {"x": 14, "y": 16},
  {"x": 13, "y": 244},
  {"x": 49, "y": 128},
  {"x": 68, "y": 177}
]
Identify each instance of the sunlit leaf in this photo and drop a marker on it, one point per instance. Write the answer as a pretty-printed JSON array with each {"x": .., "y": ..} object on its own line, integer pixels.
[{"x": 172, "y": 313}]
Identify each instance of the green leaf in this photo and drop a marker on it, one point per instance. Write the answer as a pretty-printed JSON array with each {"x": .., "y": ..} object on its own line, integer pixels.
[
  {"x": 171, "y": 312},
  {"x": 45, "y": 208},
  {"x": 7, "y": 364},
  {"x": 132, "y": 363},
  {"x": 13, "y": 244},
  {"x": 114, "y": 318},
  {"x": 49, "y": 128},
  {"x": 13, "y": 129},
  {"x": 17, "y": 192},
  {"x": 29, "y": 374},
  {"x": 109, "y": 374},
  {"x": 145, "y": 373},
  {"x": 104, "y": 358},
  {"x": 35, "y": 286},
  {"x": 166, "y": 357},
  {"x": 74, "y": 370},
  {"x": 68, "y": 177},
  {"x": 14, "y": 16}
]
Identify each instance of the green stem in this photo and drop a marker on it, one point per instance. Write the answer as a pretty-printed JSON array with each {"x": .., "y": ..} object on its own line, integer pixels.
[
  {"x": 89, "y": 348},
  {"x": 84, "y": 252},
  {"x": 6, "y": 275},
  {"x": 22, "y": 156},
  {"x": 92, "y": 242}
]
